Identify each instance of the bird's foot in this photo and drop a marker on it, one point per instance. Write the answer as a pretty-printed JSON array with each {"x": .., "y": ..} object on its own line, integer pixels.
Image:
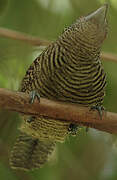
[
  {"x": 30, "y": 119},
  {"x": 73, "y": 129},
  {"x": 33, "y": 95},
  {"x": 99, "y": 108}
]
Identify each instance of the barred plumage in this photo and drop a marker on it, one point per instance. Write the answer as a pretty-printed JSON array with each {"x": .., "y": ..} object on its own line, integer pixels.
[
  {"x": 69, "y": 70},
  {"x": 29, "y": 153}
]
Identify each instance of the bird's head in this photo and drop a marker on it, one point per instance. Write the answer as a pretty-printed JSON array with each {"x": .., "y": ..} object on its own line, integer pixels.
[{"x": 89, "y": 31}]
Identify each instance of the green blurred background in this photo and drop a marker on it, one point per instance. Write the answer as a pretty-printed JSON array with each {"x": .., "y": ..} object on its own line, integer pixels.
[{"x": 88, "y": 156}]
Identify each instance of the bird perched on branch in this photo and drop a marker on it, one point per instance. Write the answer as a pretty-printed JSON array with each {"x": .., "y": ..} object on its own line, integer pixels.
[{"x": 68, "y": 70}]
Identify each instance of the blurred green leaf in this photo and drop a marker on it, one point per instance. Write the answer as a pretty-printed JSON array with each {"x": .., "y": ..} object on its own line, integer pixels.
[{"x": 6, "y": 174}]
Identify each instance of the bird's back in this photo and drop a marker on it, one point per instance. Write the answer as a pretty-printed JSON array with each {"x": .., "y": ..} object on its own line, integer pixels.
[{"x": 68, "y": 70}]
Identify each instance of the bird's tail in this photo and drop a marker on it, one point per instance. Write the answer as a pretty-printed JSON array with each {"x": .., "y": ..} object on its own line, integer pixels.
[{"x": 29, "y": 153}]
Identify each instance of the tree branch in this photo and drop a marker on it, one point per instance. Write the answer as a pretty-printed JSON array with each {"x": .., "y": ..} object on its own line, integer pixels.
[
  {"x": 17, "y": 101},
  {"x": 23, "y": 37},
  {"x": 109, "y": 57},
  {"x": 34, "y": 41}
]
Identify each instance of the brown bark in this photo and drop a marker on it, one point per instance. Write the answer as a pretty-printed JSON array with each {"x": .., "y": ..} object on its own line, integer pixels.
[{"x": 19, "y": 102}]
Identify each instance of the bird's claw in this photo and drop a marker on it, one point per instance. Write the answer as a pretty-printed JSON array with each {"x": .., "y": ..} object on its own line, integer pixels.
[
  {"x": 33, "y": 95},
  {"x": 99, "y": 108},
  {"x": 73, "y": 129},
  {"x": 30, "y": 119}
]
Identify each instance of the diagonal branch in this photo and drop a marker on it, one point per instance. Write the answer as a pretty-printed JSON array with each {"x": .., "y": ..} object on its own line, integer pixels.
[
  {"x": 109, "y": 57},
  {"x": 17, "y": 101},
  {"x": 34, "y": 41}
]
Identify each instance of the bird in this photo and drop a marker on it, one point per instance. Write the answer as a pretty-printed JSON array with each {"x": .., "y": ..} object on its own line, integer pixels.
[{"x": 68, "y": 70}]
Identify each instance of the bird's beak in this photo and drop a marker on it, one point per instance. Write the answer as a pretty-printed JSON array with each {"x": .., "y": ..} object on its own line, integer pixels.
[{"x": 98, "y": 16}]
